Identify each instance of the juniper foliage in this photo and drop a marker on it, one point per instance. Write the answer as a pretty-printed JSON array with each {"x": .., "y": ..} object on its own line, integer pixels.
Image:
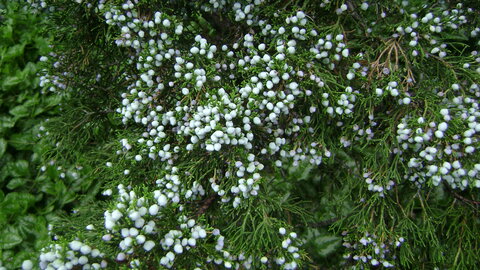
[{"x": 267, "y": 134}]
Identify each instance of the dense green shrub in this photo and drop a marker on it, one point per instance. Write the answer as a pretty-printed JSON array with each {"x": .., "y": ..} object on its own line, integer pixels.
[
  {"x": 33, "y": 191},
  {"x": 266, "y": 134}
]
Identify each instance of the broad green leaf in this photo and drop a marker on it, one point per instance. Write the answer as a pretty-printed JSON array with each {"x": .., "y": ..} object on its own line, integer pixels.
[
  {"x": 48, "y": 187},
  {"x": 42, "y": 45},
  {"x": 19, "y": 168},
  {"x": 52, "y": 172},
  {"x": 7, "y": 257},
  {"x": 9, "y": 238},
  {"x": 60, "y": 188},
  {"x": 4, "y": 220},
  {"x": 40, "y": 147},
  {"x": 47, "y": 104},
  {"x": 22, "y": 141},
  {"x": 4, "y": 172},
  {"x": 47, "y": 210},
  {"x": 3, "y": 146},
  {"x": 16, "y": 203},
  {"x": 24, "y": 254},
  {"x": 327, "y": 244},
  {"x": 53, "y": 100},
  {"x": 6, "y": 122},
  {"x": 305, "y": 173},
  {"x": 16, "y": 183},
  {"x": 31, "y": 224},
  {"x": 69, "y": 197},
  {"x": 29, "y": 69},
  {"x": 7, "y": 33},
  {"x": 10, "y": 82},
  {"x": 322, "y": 242},
  {"x": 20, "y": 111},
  {"x": 13, "y": 52}
]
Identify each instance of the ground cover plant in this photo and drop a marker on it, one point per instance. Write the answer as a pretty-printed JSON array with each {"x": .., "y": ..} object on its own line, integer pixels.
[
  {"x": 33, "y": 191},
  {"x": 264, "y": 134}
]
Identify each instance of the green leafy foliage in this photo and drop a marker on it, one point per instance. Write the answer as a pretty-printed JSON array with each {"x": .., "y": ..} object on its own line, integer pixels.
[{"x": 28, "y": 197}]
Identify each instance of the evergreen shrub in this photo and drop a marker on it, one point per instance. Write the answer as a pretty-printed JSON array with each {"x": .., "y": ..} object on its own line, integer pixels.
[{"x": 261, "y": 134}]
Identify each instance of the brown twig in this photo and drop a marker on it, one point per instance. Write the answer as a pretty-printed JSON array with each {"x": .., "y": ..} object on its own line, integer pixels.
[
  {"x": 472, "y": 203},
  {"x": 392, "y": 53},
  {"x": 205, "y": 204},
  {"x": 460, "y": 197}
]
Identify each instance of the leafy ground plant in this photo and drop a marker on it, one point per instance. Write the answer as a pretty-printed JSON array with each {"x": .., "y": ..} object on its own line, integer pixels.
[
  {"x": 266, "y": 134},
  {"x": 33, "y": 191}
]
